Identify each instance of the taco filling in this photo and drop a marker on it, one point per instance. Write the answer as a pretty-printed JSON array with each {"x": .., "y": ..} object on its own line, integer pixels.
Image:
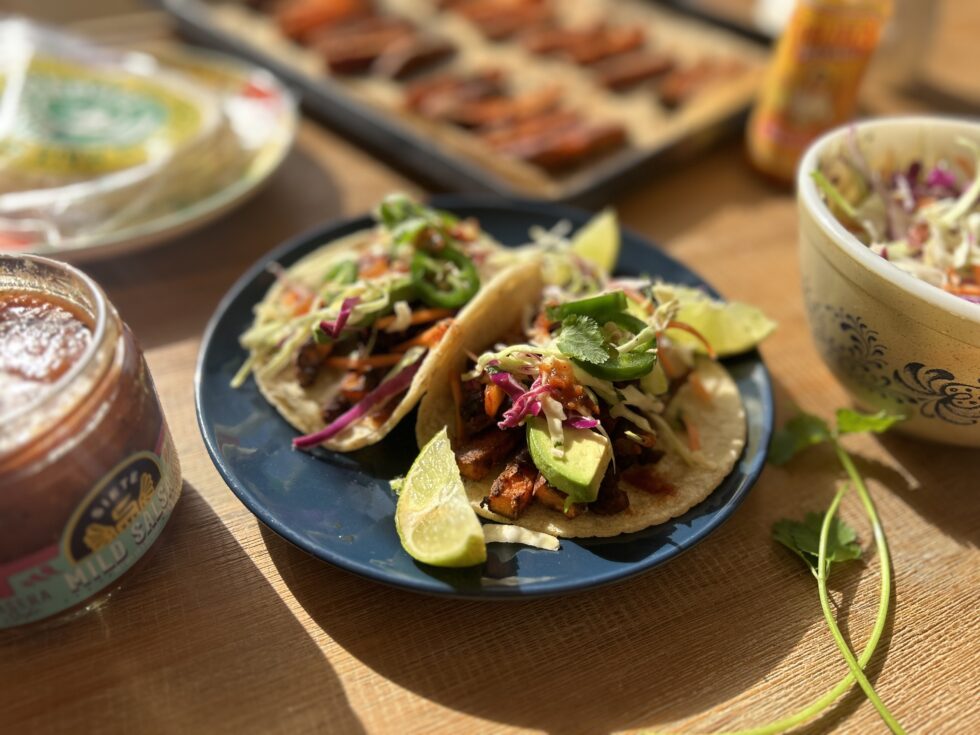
[
  {"x": 342, "y": 336},
  {"x": 564, "y": 425}
]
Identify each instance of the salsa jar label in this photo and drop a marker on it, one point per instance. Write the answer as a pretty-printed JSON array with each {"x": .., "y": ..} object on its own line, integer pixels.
[{"x": 110, "y": 530}]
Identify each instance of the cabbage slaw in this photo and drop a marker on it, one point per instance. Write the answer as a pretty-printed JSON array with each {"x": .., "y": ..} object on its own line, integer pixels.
[
  {"x": 524, "y": 371},
  {"x": 924, "y": 220},
  {"x": 365, "y": 292}
]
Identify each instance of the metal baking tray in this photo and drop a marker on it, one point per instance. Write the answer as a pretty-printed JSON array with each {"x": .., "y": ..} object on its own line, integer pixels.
[{"x": 440, "y": 158}]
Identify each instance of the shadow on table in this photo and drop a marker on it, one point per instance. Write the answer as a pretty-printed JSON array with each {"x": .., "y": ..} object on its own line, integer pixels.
[
  {"x": 822, "y": 469},
  {"x": 167, "y": 293},
  {"x": 844, "y": 583},
  {"x": 196, "y": 641},
  {"x": 945, "y": 504},
  {"x": 669, "y": 644},
  {"x": 925, "y": 482},
  {"x": 833, "y": 718}
]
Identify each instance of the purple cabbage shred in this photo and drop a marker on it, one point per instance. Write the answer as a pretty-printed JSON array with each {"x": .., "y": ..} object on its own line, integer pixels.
[{"x": 333, "y": 328}]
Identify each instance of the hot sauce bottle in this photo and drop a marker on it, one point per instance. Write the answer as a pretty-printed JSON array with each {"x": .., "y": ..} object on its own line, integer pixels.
[{"x": 813, "y": 80}]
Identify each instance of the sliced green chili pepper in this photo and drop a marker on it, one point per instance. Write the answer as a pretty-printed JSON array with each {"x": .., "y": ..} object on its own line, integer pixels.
[
  {"x": 601, "y": 307},
  {"x": 446, "y": 295},
  {"x": 628, "y": 322},
  {"x": 623, "y": 365}
]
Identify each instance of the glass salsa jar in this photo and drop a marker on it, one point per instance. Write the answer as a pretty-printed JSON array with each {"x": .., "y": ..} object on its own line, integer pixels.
[{"x": 88, "y": 471}]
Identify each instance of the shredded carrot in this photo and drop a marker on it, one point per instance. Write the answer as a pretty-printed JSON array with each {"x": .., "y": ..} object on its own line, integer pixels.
[
  {"x": 541, "y": 328},
  {"x": 421, "y": 316},
  {"x": 699, "y": 389},
  {"x": 296, "y": 302},
  {"x": 372, "y": 267},
  {"x": 354, "y": 386},
  {"x": 966, "y": 165},
  {"x": 493, "y": 396},
  {"x": 638, "y": 298},
  {"x": 670, "y": 369},
  {"x": 363, "y": 363},
  {"x": 963, "y": 289},
  {"x": 691, "y": 330},
  {"x": 955, "y": 284},
  {"x": 693, "y": 434},
  {"x": 429, "y": 338},
  {"x": 647, "y": 440},
  {"x": 456, "y": 386}
]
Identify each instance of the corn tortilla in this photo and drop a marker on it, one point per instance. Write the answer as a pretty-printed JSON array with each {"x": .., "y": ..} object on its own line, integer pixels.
[
  {"x": 721, "y": 423},
  {"x": 302, "y": 407}
]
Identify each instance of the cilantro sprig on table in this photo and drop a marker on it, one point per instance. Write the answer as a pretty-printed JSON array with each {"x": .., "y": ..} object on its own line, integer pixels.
[
  {"x": 823, "y": 540},
  {"x": 803, "y": 539}
]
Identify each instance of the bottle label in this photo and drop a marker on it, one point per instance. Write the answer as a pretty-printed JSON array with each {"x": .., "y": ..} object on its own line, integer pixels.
[
  {"x": 814, "y": 79},
  {"x": 111, "y": 528}
]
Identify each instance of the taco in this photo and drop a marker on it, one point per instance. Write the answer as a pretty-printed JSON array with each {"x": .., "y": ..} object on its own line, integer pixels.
[
  {"x": 346, "y": 340},
  {"x": 584, "y": 418}
]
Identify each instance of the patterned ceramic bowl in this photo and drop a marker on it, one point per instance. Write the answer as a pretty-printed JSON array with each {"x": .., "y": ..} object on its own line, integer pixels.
[{"x": 894, "y": 341}]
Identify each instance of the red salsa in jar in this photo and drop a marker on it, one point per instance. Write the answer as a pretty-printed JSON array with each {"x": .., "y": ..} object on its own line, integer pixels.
[
  {"x": 88, "y": 472},
  {"x": 41, "y": 337}
]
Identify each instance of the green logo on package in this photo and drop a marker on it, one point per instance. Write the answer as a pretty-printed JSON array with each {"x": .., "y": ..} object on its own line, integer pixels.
[
  {"x": 87, "y": 113},
  {"x": 77, "y": 121}
]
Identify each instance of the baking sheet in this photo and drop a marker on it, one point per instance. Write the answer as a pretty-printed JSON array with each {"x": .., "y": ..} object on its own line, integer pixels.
[{"x": 369, "y": 110}]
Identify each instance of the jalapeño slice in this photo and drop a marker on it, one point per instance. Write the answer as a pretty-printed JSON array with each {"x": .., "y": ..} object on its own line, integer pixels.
[
  {"x": 626, "y": 365},
  {"x": 601, "y": 308},
  {"x": 446, "y": 290}
]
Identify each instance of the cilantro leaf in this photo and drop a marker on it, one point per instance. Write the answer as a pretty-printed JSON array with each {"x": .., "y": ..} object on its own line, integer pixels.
[
  {"x": 800, "y": 432},
  {"x": 855, "y": 422},
  {"x": 581, "y": 337},
  {"x": 803, "y": 539}
]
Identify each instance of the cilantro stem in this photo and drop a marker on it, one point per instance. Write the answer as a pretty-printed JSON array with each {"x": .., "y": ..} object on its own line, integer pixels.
[
  {"x": 884, "y": 561},
  {"x": 820, "y": 704}
]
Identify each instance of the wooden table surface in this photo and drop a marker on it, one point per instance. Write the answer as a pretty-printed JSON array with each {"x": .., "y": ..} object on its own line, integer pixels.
[{"x": 229, "y": 629}]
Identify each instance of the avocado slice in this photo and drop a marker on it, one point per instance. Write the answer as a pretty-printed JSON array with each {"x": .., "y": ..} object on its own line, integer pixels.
[{"x": 579, "y": 471}]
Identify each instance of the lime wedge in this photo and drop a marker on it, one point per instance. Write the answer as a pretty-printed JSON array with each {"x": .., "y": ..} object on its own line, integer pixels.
[
  {"x": 598, "y": 240},
  {"x": 730, "y": 327},
  {"x": 434, "y": 519}
]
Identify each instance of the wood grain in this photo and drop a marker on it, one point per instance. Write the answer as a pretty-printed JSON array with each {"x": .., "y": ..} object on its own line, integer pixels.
[{"x": 228, "y": 629}]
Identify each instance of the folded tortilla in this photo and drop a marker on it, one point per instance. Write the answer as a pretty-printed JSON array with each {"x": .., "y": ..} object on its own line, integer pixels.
[
  {"x": 302, "y": 407},
  {"x": 721, "y": 423}
]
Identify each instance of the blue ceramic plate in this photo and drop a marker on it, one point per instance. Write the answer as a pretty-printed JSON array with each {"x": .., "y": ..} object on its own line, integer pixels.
[{"x": 338, "y": 507}]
